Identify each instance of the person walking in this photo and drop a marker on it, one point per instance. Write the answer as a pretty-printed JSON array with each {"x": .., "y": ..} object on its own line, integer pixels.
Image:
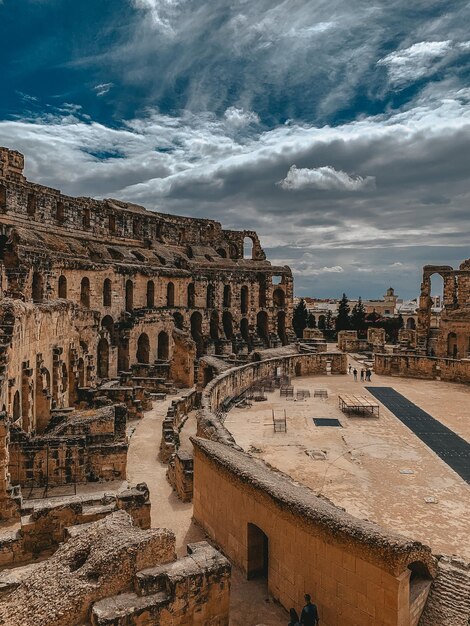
[
  {"x": 362, "y": 375},
  {"x": 349, "y": 368},
  {"x": 294, "y": 618},
  {"x": 355, "y": 373},
  {"x": 309, "y": 615},
  {"x": 368, "y": 374}
]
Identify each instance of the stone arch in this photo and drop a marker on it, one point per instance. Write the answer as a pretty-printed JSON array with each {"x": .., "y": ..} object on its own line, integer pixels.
[
  {"x": 248, "y": 247},
  {"x": 16, "y": 409},
  {"x": 143, "y": 349},
  {"x": 150, "y": 294},
  {"x": 233, "y": 250},
  {"x": 60, "y": 212},
  {"x": 3, "y": 198},
  {"x": 210, "y": 296},
  {"x": 257, "y": 560},
  {"x": 103, "y": 358},
  {"x": 62, "y": 287},
  {"x": 281, "y": 327},
  {"x": 279, "y": 298},
  {"x": 81, "y": 372},
  {"x": 107, "y": 292},
  {"x": 262, "y": 326},
  {"x": 178, "y": 320},
  {"x": 123, "y": 354},
  {"x": 64, "y": 378},
  {"x": 196, "y": 333},
  {"x": 85, "y": 292},
  {"x": 214, "y": 326},
  {"x": 191, "y": 296},
  {"x": 107, "y": 323},
  {"x": 227, "y": 323},
  {"x": 227, "y": 300},
  {"x": 129, "y": 296},
  {"x": 37, "y": 288},
  {"x": 86, "y": 218},
  {"x": 42, "y": 400},
  {"x": 245, "y": 330},
  {"x": 170, "y": 294},
  {"x": 298, "y": 369},
  {"x": 410, "y": 323},
  {"x": 262, "y": 291},
  {"x": 222, "y": 252},
  {"x": 31, "y": 204},
  {"x": 244, "y": 300},
  {"x": 452, "y": 349},
  {"x": 163, "y": 349}
]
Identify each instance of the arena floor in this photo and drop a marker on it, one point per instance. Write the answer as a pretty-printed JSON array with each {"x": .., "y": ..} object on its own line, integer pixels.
[{"x": 376, "y": 468}]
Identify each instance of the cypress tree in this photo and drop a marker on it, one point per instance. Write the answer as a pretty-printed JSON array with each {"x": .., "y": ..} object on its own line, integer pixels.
[
  {"x": 299, "y": 318},
  {"x": 343, "y": 321}
]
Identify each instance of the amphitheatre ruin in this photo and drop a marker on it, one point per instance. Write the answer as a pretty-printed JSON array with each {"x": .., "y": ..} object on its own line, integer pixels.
[{"x": 172, "y": 454}]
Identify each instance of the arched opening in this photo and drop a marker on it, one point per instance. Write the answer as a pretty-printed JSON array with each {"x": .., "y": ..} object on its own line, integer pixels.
[
  {"x": 64, "y": 376},
  {"x": 262, "y": 292},
  {"x": 279, "y": 298},
  {"x": 321, "y": 322},
  {"x": 107, "y": 323},
  {"x": 86, "y": 218},
  {"x": 257, "y": 561},
  {"x": 123, "y": 354},
  {"x": 452, "y": 350},
  {"x": 62, "y": 287},
  {"x": 210, "y": 299},
  {"x": 81, "y": 373},
  {"x": 143, "y": 349},
  {"x": 3, "y": 198},
  {"x": 103, "y": 358},
  {"x": 233, "y": 250},
  {"x": 150, "y": 294},
  {"x": 245, "y": 331},
  {"x": 244, "y": 300},
  {"x": 298, "y": 369},
  {"x": 191, "y": 296},
  {"x": 107, "y": 292},
  {"x": 170, "y": 294},
  {"x": 37, "y": 287},
  {"x": 179, "y": 320},
  {"x": 163, "y": 350},
  {"x": 262, "y": 326},
  {"x": 214, "y": 326},
  {"x": 85, "y": 292},
  {"x": 227, "y": 323},
  {"x": 247, "y": 248},
  {"x": 410, "y": 323},
  {"x": 16, "y": 406},
  {"x": 129, "y": 296},
  {"x": 112, "y": 224},
  {"x": 60, "y": 212},
  {"x": 227, "y": 301},
  {"x": 136, "y": 228},
  {"x": 42, "y": 398},
  {"x": 196, "y": 332},
  {"x": 281, "y": 327},
  {"x": 437, "y": 292},
  {"x": 222, "y": 252},
  {"x": 31, "y": 205},
  {"x": 420, "y": 579}
]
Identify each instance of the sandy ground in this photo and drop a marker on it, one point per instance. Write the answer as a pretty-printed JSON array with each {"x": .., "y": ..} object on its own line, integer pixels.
[
  {"x": 363, "y": 464},
  {"x": 250, "y": 602}
]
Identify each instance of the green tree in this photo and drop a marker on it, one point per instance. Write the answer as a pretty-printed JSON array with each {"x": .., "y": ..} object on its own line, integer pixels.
[
  {"x": 329, "y": 321},
  {"x": 343, "y": 321},
  {"x": 311, "y": 322},
  {"x": 299, "y": 318},
  {"x": 358, "y": 316},
  {"x": 321, "y": 322}
]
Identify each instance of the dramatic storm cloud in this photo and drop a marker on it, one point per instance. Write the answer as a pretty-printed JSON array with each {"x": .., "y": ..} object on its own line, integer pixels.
[{"x": 340, "y": 131}]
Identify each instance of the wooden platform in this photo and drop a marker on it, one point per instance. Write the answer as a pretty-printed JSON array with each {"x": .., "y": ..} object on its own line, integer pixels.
[{"x": 358, "y": 404}]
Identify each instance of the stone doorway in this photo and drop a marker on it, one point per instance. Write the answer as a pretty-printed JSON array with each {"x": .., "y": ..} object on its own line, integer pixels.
[{"x": 258, "y": 553}]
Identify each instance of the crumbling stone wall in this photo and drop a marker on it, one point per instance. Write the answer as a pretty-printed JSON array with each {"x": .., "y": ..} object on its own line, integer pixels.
[
  {"x": 267, "y": 523},
  {"x": 417, "y": 366}
]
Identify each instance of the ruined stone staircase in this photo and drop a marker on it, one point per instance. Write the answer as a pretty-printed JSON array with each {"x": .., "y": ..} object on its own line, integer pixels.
[{"x": 448, "y": 602}]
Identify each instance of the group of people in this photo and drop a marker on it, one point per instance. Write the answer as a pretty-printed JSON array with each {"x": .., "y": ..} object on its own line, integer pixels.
[
  {"x": 366, "y": 374},
  {"x": 308, "y": 617}
]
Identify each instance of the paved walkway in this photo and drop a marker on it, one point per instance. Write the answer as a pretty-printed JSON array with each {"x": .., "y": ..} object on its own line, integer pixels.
[{"x": 250, "y": 603}]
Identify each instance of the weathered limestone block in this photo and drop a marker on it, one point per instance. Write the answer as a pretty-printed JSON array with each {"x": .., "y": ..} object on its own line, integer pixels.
[
  {"x": 98, "y": 562},
  {"x": 180, "y": 474}
]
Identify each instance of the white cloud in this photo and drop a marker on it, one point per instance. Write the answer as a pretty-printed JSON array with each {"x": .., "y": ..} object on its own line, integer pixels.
[
  {"x": 162, "y": 12},
  {"x": 325, "y": 178},
  {"x": 238, "y": 118},
  {"x": 102, "y": 89},
  {"x": 416, "y": 61}
]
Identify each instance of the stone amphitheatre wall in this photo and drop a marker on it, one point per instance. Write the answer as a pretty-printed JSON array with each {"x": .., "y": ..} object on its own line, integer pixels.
[
  {"x": 268, "y": 524},
  {"x": 414, "y": 366}
]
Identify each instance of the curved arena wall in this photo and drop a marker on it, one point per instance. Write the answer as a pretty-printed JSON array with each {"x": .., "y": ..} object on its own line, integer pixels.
[{"x": 357, "y": 573}]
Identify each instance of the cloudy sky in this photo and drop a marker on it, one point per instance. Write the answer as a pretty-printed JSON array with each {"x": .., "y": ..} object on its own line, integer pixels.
[{"x": 339, "y": 130}]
